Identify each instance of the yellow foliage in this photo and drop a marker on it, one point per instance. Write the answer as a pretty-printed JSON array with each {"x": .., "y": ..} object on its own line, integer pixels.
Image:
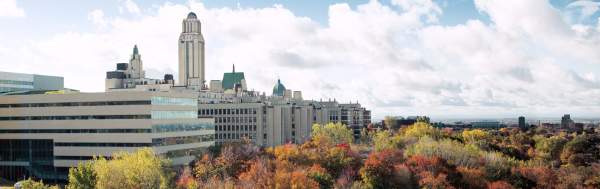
[
  {"x": 421, "y": 129},
  {"x": 475, "y": 135}
]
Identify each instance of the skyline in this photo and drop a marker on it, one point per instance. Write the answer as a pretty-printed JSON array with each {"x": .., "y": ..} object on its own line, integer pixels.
[{"x": 507, "y": 61}]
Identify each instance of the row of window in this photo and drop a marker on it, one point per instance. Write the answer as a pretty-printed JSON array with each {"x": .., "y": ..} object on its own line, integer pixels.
[
  {"x": 227, "y": 111},
  {"x": 178, "y": 127},
  {"x": 236, "y": 128},
  {"x": 77, "y": 131},
  {"x": 12, "y": 89},
  {"x": 236, "y": 136},
  {"x": 235, "y": 119},
  {"x": 69, "y": 144},
  {"x": 182, "y": 140},
  {"x": 78, "y": 117},
  {"x": 174, "y": 115},
  {"x": 31, "y": 150},
  {"x": 185, "y": 152},
  {"x": 64, "y": 104},
  {"x": 76, "y": 157},
  {"x": 14, "y": 82},
  {"x": 161, "y": 100}
]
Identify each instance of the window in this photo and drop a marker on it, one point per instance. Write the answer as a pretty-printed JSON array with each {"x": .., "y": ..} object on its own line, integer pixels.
[
  {"x": 174, "y": 115},
  {"x": 160, "y": 100}
]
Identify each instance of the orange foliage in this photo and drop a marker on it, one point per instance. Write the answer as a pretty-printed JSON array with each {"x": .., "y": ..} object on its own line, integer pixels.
[
  {"x": 500, "y": 185},
  {"x": 472, "y": 177},
  {"x": 542, "y": 176},
  {"x": 258, "y": 176}
]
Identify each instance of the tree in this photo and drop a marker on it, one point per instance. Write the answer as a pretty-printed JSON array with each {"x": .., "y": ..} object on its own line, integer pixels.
[
  {"x": 82, "y": 176},
  {"x": 32, "y": 184},
  {"x": 581, "y": 151},
  {"x": 549, "y": 149},
  {"x": 500, "y": 185},
  {"x": 390, "y": 122},
  {"x": 384, "y": 140},
  {"x": 320, "y": 175},
  {"x": 475, "y": 135},
  {"x": 421, "y": 129},
  {"x": 258, "y": 176},
  {"x": 140, "y": 169},
  {"x": 334, "y": 132},
  {"x": 379, "y": 170}
]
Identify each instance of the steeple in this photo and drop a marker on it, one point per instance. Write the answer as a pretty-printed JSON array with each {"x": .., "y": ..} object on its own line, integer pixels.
[{"x": 135, "y": 50}]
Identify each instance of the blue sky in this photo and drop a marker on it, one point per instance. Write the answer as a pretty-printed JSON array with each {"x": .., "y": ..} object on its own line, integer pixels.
[{"x": 445, "y": 58}]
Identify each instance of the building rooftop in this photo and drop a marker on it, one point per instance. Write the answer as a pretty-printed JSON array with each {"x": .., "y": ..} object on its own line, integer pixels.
[
  {"x": 232, "y": 78},
  {"x": 278, "y": 89}
]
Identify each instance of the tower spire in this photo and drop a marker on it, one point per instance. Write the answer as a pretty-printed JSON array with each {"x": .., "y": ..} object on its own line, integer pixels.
[{"x": 135, "y": 49}]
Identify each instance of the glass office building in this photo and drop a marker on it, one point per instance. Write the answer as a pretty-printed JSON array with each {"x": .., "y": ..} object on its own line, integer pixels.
[
  {"x": 16, "y": 82},
  {"x": 43, "y": 135}
]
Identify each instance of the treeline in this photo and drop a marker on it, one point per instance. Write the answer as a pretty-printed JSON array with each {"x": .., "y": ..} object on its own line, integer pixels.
[{"x": 418, "y": 156}]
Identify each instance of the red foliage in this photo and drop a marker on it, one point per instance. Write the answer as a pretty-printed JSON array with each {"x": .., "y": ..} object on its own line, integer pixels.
[
  {"x": 542, "y": 176},
  {"x": 500, "y": 185}
]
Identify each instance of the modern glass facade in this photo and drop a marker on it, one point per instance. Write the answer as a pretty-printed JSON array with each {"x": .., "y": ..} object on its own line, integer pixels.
[
  {"x": 174, "y": 115},
  {"x": 161, "y": 100},
  {"x": 38, "y": 155},
  {"x": 11, "y": 82},
  {"x": 179, "y": 127}
]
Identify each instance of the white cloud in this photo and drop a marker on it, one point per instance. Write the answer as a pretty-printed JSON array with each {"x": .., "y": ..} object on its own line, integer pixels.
[
  {"x": 586, "y": 8},
  {"x": 132, "y": 7},
  {"x": 97, "y": 17},
  {"x": 9, "y": 8},
  {"x": 394, "y": 61}
]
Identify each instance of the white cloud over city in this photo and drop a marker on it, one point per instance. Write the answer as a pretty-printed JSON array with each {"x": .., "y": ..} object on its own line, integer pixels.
[
  {"x": 9, "y": 8},
  {"x": 393, "y": 58}
]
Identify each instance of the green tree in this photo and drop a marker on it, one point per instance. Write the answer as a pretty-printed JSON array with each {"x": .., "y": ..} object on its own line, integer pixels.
[
  {"x": 32, "y": 184},
  {"x": 82, "y": 176},
  {"x": 334, "y": 132}
]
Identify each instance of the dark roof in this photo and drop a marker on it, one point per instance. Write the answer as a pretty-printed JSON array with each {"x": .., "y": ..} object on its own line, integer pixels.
[
  {"x": 232, "y": 78},
  {"x": 278, "y": 89},
  {"x": 192, "y": 15}
]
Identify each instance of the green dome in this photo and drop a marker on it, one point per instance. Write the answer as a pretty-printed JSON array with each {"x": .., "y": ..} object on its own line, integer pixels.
[{"x": 279, "y": 89}]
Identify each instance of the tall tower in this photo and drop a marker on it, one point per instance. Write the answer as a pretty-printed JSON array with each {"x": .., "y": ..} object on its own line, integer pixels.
[
  {"x": 137, "y": 70},
  {"x": 191, "y": 53}
]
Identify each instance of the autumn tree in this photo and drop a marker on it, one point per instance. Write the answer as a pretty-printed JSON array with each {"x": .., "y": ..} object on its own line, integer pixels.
[
  {"x": 385, "y": 140},
  {"x": 140, "y": 169},
  {"x": 421, "y": 129},
  {"x": 32, "y": 184},
  {"x": 82, "y": 176},
  {"x": 337, "y": 133},
  {"x": 581, "y": 151},
  {"x": 390, "y": 122},
  {"x": 379, "y": 170}
]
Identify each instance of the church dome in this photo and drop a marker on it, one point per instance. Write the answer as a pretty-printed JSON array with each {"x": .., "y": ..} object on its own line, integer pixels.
[
  {"x": 279, "y": 89},
  {"x": 192, "y": 15}
]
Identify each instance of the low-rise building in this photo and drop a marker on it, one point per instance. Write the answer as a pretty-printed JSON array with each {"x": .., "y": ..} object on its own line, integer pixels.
[
  {"x": 19, "y": 82},
  {"x": 44, "y": 135}
]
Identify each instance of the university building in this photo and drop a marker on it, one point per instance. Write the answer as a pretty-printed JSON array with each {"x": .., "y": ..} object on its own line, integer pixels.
[{"x": 42, "y": 135}]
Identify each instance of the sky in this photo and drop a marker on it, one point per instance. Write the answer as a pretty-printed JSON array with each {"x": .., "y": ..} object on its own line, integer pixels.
[{"x": 441, "y": 58}]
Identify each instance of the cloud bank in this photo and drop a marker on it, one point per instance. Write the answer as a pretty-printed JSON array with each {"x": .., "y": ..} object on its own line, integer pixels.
[
  {"x": 9, "y": 8},
  {"x": 394, "y": 59}
]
